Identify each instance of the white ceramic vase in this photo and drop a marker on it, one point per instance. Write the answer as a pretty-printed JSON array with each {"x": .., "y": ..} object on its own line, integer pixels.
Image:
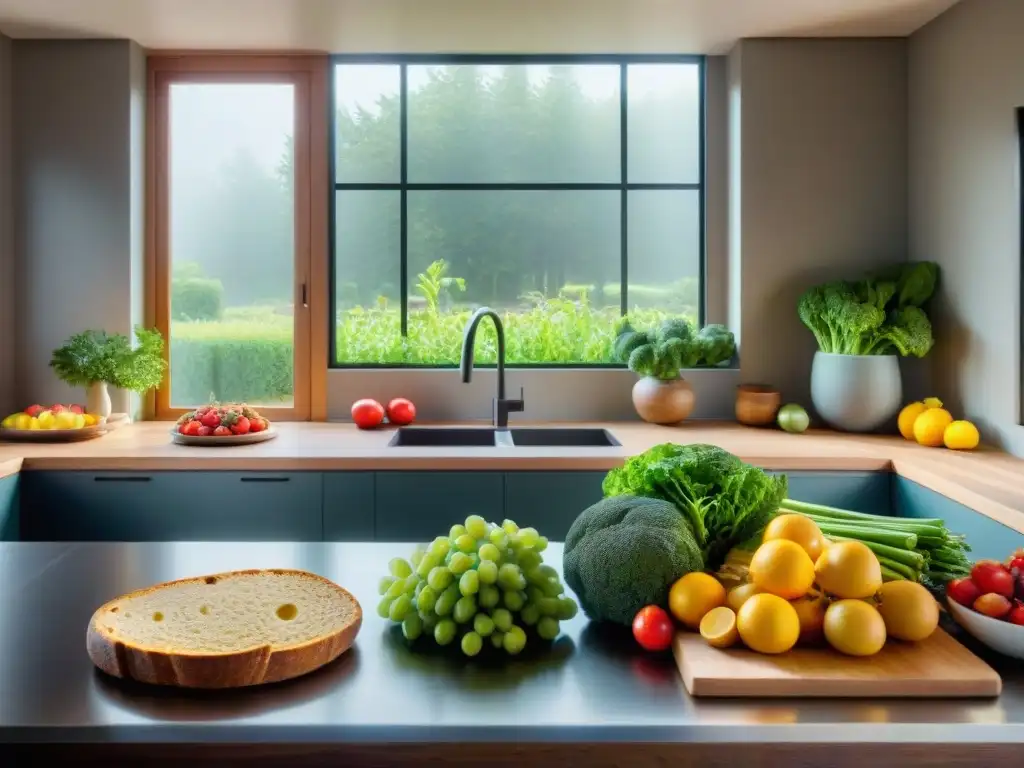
[
  {"x": 97, "y": 400},
  {"x": 856, "y": 393}
]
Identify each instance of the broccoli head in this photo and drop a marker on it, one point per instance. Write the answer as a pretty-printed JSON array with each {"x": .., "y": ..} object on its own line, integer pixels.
[
  {"x": 625, "y": 552},
  {"x": 717, "y": 344}
]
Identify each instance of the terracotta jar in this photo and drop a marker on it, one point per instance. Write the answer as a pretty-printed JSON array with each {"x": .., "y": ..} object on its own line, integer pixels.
[
  {"x": 757, "y": 405},
  {"x": 660, "y": 401}
]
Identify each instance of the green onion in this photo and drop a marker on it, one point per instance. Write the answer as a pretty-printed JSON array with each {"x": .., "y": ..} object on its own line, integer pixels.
[
  {"x": 908, "y": 557},
  {"x": 805, "y": 508}
]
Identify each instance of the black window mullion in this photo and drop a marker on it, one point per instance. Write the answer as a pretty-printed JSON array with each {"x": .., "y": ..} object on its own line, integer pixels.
[
  {"x": 403, "y": 205},
  {"x": 702, "y": 290},
  {"x": 623, "y": 193}
]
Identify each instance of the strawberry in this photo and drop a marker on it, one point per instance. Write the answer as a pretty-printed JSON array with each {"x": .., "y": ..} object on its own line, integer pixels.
[
  {"x": 76, "y": 409},
  {"x": 210, "y": 419},
  {"x": 257, "y": 425},
  {"x": 192, "y": 429},
  {"x": 204, "y": 431},
  {"x": 229, "y": 418},
  {"x": 241, "y": 426},
  {"x": 183, "y": 428},
  {"x": 221, "y": 431}
]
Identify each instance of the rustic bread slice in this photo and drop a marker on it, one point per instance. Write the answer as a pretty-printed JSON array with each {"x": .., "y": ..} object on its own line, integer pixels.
[{"x": 225, "y": 630}]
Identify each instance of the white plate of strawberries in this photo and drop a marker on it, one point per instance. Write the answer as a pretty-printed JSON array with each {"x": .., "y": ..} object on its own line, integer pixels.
[{"x": 213, "y": 425}]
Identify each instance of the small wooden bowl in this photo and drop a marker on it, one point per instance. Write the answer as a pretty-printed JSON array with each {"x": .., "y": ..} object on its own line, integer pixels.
[{"x": 757, "y": 405}]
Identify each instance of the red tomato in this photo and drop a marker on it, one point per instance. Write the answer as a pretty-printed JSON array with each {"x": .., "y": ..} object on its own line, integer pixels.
[
  {"x": 1017, "y": 614},
  {"x": 1018, "y": 563},
  {"x": 963, "y": 591},
  {"x": 653, "y": 629},
  {"x": 990, "y": 576},
  {"x": 401, "y": 411},
  {"x": 367, "y": 413},
  {"x": 993, "y": 605}
]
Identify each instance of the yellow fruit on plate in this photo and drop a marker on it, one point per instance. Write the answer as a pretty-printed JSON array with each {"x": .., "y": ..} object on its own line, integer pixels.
[
  {"x": 46, "y": 419},
  {"x": 692, "y": 596},
  {"x": 848, "y": 569},
  {"x": 961, "y": 436},
  {"x": 810, "y": 609},
  {"x": 718, "y": 627},
  {"x": 768, "y": 624},
  {"x": 855, "y": 628},
  {"x": 88, "y": 420},
  {"x": 66, "y": 420},
  {"x": 739, "y": 595},
  {"x": 783, "y": 568},
  {"x": 33, "y": 423},
  {"x": 910, "y": 413},
  {"x": 10, "y": 421},
  {"x": 930, "y": 427},
  {"x": 22, "y": 421},
  {"x": 798, "y": 529},
  {"x": 909, "y": 611}
]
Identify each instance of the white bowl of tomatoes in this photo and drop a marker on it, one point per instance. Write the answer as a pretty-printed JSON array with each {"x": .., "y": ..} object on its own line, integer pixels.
[{"x": 989, "y": 604}]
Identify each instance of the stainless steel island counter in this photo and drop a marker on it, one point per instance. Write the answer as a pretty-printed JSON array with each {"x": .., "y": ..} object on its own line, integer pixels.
[{"x": 591, "y": 699}]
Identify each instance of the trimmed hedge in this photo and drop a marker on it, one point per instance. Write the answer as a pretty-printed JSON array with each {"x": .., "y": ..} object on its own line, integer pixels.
[{"x": 228, "y": 370}]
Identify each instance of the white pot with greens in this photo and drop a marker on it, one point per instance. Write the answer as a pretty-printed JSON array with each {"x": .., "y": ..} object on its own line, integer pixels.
[
  {"x": 98, "y": 361},
  {"x": 862, "y": 328},
  {"x": 658, "y": 356}
]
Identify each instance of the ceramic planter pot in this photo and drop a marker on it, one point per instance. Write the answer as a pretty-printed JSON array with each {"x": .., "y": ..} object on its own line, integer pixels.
[
  {"x": 662, "y": 402},
  {"x": 856, "y": 393},
  {"x": 97, "y": 399}
]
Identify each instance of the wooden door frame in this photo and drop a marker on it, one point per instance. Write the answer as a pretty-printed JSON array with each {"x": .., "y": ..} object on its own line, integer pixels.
[{"x": 308, "y": 73}]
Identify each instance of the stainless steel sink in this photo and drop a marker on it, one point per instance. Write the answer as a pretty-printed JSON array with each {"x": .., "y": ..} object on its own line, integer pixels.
[{"x": 487, "y": 437}]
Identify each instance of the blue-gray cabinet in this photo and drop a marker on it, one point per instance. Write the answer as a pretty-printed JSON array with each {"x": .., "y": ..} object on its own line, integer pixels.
[
  {"x": 349, "y": 504},
  {"x": 171, "y": 506},
  {"x": 859, "y": 491},
  {"x": 550, "y": 501},
  {"x": 9, "y": 508},
  {"x": 417, "y": 506}
]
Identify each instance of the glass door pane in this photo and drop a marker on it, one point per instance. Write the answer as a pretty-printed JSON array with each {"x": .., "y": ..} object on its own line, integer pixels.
[{"x": 231, "y": 247}]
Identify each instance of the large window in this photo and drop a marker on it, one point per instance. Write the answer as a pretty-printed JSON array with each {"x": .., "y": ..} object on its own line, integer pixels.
[{"x": 563, "y": 192}]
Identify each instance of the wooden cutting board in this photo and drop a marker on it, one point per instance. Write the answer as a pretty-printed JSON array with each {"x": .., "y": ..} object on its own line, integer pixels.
[{"x": 937, "y": 667}]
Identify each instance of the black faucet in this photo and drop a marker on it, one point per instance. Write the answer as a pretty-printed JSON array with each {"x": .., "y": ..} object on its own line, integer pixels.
[{"x": 502, "y": 406}]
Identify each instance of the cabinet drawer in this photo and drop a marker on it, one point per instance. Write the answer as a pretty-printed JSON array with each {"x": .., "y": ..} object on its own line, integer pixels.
[
  {"x": 348, "y": 506},
  {"x": 171, "y": 506},
  {"x": 417, "y": 506},
  {"x": 550, "y": 501}
]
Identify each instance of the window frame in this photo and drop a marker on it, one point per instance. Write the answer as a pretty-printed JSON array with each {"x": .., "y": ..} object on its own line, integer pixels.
[
  {"x": 307, "y": 74},
  {"x": 403, "y": 186}
]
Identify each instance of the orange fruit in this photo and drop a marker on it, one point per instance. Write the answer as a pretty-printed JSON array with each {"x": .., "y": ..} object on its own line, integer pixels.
[
  {"x": 782, "y": 568},
  {"x": 930, "y": 427},
  {"x": 798, "y": 529},
  {"x": 694, "y": 595},
  {"x": 910, "y": 413}
]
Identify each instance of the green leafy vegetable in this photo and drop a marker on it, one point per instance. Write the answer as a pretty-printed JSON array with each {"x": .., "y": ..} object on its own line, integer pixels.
[
  {"x": 672, "y": 347},
  {"x": 879, "y": 315},
  {"x": 725, "y": 500},
  {"x": 93, "y": 356},
  {"x": 624, "y": 553}
]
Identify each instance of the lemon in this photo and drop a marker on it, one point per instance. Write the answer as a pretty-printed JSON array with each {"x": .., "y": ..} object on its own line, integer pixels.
[
  {"x": 88, "y": 419},
  {"x": 848, "y": 569},
  {"x": 694, "y": 595},
  {"x": 46, "y": 419},
  {"x": 810, "y": 610},
  {"x": 783, "y": 568},
  {"x": 930, "y": 426},
  {"x": 64, "y": 420},
  {"x": 798, "y": 529},
  {"x": 33, "y": 423},
  {"x": 718, "y": 627},
  {"x": 22, "y": 421},
  {"x": 855, "y": 628},
  {"x": 909, "y": 611},
  {"x": 910, "y": 413},
  {"x": 739, "y": 595},
  {"x": 10, "y": 421},
  {"x": 768, "y": 624},
  {"x": 961, "y": 436}
]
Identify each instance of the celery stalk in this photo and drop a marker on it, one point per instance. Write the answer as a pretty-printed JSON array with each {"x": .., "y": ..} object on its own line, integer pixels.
[
  {"x": 908, "y": 557},
  {"x": 804, "y": 507}
]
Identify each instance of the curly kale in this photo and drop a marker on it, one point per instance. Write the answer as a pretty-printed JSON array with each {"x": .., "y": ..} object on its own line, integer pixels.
[
  {"x": 725, "y": 500},
  {"x": 878, "y": 315}
]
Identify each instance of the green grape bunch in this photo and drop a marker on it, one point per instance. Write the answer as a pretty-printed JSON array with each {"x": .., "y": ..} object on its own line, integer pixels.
[{"x": 480, "y": 581}]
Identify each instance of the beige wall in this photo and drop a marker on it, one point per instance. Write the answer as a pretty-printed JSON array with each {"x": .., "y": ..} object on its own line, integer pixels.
[
  {"x": 966, "y": 81},
  {"x": 78, "y": 235},
  {"x": 7, "y": 283},
  {"x": 818, "y": 158}
]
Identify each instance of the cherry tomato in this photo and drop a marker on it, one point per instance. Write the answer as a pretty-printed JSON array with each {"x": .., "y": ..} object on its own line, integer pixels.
[
  {"x": 1017, "y": 614},
  {"x": 990, "y": 576},
  {"x": 367, "y": 413},
  {"x": 963, "y": 591},
  {"x": 401, "y": 411},
  {"x": 991, "y": 604},
  {"x": 653, "y": 628},
  {"x": 1018, "y": 563}
]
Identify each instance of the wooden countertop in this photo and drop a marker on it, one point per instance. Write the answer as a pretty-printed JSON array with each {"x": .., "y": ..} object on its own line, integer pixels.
[{"x": 987, "y": 480}]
